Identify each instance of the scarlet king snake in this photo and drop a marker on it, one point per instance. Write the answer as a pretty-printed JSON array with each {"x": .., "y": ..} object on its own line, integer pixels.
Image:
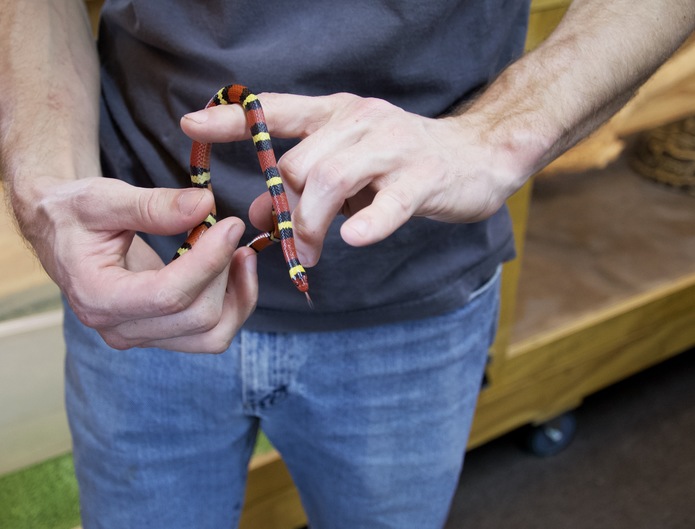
[{"x": 200, "y": 177}]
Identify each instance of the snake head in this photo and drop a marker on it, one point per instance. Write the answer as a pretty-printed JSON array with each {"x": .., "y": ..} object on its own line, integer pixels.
[{"x": 300, "y": 279}]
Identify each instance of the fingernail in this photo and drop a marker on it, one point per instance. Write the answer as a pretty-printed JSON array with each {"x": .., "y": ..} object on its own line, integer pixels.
[
  {"x": 189, "y": 199},
  {"x": 235, "y": 233},
  {"x": 200, "y": 117},
  {"x": 250, "y": 263}
]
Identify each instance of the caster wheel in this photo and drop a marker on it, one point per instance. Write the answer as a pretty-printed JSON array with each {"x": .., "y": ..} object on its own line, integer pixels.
[{"x": 551, "y": 437}]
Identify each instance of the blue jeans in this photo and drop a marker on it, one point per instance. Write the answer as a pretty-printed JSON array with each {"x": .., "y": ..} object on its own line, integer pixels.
[{"x": 372, "y": 423}]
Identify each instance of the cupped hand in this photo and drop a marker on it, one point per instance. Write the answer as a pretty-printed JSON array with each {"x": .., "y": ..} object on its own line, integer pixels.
[
  {"x": 119, "y": 286},
  {"x": 371, "y": 161}
]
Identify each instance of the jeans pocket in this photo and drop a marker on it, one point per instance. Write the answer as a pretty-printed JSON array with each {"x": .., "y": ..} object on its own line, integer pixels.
[{"x": 490, "y": 283}]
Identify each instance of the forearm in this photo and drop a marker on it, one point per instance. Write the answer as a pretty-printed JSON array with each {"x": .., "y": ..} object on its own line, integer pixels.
[
  {"x": 580, "y": 76},
  {"x": 48, "y": 97}
]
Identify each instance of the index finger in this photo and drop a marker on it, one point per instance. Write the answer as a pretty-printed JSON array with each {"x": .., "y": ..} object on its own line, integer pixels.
[
  {"x": 286, "y": 116},
  {"x": 138, "y": 295}
]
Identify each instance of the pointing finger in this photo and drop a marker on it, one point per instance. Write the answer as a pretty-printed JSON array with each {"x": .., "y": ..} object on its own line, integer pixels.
[{"x": 287, "y": 116}]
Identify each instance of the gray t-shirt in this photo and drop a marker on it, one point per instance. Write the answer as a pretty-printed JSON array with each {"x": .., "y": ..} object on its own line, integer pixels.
[{"x": 161, "y": 60}]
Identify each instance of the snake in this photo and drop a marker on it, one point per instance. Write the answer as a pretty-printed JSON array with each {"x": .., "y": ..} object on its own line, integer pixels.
[{"x": 282, "y": 231}]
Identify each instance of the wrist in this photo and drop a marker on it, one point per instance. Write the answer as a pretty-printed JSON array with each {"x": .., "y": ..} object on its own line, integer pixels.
[
  {"x": 31, "y": 176},
  {"x": 513, "y": 117},
  {"x": 27, "y": 201},
  {"x": 508, "y": 148}
]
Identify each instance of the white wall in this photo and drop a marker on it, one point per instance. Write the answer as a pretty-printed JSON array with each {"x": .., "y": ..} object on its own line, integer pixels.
[{"x": 33, "y": 425}]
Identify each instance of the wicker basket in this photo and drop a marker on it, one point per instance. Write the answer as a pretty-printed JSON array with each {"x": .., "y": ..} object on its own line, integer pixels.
[{"x": 667, "y": 155}]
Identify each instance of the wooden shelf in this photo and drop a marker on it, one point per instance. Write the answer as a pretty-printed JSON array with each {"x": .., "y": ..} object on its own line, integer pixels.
[
  {"x": 606, "y": 288},
  {"x": 594, "y": 242}
]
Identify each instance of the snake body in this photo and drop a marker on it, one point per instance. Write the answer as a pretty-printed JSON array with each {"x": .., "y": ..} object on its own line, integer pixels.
[{"x": 282, "y": 221}]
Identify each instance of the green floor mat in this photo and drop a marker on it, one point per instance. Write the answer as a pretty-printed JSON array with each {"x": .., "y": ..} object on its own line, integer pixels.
[
  {"x": 40, "y": 497},
  {"x": 45, "y": 496}
]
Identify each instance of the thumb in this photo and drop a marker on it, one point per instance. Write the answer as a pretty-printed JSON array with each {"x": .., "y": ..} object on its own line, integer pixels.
[{"x": 113, "y": 204}]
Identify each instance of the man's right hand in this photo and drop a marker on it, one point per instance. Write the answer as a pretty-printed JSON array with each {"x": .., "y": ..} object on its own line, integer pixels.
[{"x": 119, "y": 286}]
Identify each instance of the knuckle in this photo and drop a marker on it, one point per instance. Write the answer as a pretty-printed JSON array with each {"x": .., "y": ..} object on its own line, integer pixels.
[
  {"x": 488, "y": 207},
  {"x": 82, "y": 199},
  {"x": 290, "y": 166},
  {"x": 171, "y": 301},
  {"x": 85, "y": 310},
  {"x": 341, "y": 100},
  {"x": 147, "y": 205},
  {"x": 300, "y": 225},
  {"x": 370, "y": 107},
  {"x": 330, "y": 178},
  {"x": 115, "y": 341},
  {"x": 215, "y": 342},
  {"x": 402, "y": 200},
  {"x": 305, "y": 229},
  {"x": 205, "y": 319},
  {"x": 88, "y": 318},
  {"x": 219, "y": 344}
]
